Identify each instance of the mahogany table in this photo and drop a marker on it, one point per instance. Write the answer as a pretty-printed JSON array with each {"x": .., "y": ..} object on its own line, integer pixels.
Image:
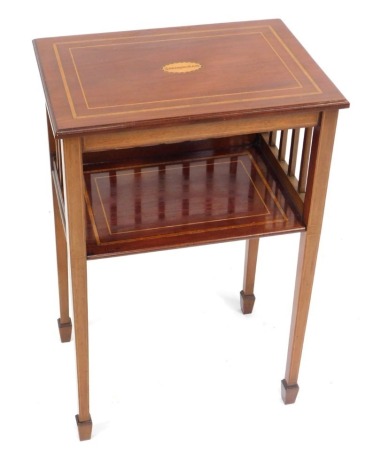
[{"x": 177, "y": 137}]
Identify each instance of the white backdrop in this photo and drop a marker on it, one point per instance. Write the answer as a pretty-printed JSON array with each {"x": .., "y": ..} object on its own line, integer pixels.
[{"x": 179, "y": 378}]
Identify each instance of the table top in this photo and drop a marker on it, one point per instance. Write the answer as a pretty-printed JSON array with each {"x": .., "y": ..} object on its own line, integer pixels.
[{"x": 105, "y": 82}]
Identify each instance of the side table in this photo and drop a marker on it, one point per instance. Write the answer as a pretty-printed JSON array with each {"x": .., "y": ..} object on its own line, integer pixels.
[{"x": 177, "y": 137}]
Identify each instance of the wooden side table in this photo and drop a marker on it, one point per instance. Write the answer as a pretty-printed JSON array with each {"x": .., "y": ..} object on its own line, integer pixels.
[{"x": 183, "y": 136}]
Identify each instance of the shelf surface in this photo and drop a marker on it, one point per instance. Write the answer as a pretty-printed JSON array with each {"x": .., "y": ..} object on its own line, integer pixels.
[
  {"x": 172, "y": 203},
  {"x": 105, "y": 82}
]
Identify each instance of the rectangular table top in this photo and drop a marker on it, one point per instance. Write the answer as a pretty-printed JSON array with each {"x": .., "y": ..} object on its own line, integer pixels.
[{"x": 105, "y": 82}]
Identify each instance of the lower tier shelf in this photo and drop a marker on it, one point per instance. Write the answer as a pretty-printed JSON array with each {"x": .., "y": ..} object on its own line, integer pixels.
[{"x": 191, "y": 199}]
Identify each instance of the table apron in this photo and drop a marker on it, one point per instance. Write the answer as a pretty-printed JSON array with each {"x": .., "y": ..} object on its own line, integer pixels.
[{"x": 197, "y": 131}]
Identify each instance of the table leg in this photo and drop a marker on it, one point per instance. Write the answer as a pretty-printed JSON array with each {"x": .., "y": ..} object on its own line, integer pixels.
[
  {"x": 64, "y": 322},
  {"x": 314, "y": 203},
  {"x": 76, "y": 227},
  {"x": 247, "y": 293}
]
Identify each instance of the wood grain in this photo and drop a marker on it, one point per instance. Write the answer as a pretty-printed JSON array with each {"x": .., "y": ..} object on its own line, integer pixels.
[
  {"x": 183, "y": 201},
  {"x": 247, "y": 68},
  {"x": 197, "y": 131},
  {"x": 313, "y": 214},
  {"x": 64, "y": 321},
  {"x": 247, "y": 293},
  {"x": 76, "y": 223},
  {"x": 156, "y": 142}
]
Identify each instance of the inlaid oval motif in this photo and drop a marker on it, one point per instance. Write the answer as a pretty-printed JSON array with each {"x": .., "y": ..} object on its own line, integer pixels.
[{"x": 182, "y": 67}]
